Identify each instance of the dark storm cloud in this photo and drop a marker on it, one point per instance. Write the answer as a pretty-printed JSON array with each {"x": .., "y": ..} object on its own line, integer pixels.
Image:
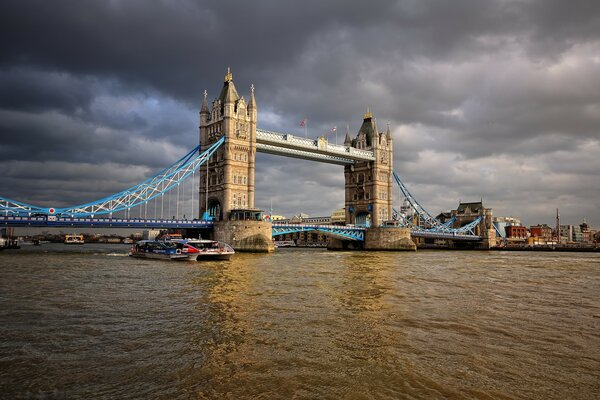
[{"x": 473, "y": 90}]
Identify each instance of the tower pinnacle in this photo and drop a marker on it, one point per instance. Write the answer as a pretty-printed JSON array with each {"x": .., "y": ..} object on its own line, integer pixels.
[
  {"x": 229, "y": 75},
  {"x": 252, "y": 102}
]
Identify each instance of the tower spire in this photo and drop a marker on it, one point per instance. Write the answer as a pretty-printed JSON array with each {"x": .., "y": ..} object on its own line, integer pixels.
[
  {"x": 204, "y": 107},
  {"x": 229, "y": 75},
  {"x": 252, "y": 102},
  {"x": 347, "y": 140}
]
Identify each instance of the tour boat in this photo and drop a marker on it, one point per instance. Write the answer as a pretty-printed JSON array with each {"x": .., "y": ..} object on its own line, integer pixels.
[
  {"x": 157, "y": 250},
  {"x": 201, "y": 249},
  {"x": 74, "y": 239}
]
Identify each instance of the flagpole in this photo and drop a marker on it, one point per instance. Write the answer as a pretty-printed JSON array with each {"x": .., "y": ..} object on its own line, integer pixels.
[{"x": 306, "y": 128}]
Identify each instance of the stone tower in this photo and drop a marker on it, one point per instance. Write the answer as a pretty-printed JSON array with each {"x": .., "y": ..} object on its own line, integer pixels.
[
  {"x": 230, "y": 170},
  {"x": 369, "y": 183}
]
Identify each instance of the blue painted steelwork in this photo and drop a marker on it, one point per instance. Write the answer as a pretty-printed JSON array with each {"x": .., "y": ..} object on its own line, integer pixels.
[
  {"x": 53, "y": 221},
  {"x": 428, "y": 226},
  {"x": 151, "y": 188},
  {"x": 500, "y": 232},
  {"x": 345, "y": 232}
]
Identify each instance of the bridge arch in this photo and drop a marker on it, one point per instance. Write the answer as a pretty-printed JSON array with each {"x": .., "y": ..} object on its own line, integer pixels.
[{"x": 214, "y": 210}]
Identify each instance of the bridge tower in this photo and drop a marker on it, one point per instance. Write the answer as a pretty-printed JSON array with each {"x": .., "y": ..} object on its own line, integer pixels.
[
  {"x": 230, "y": 171},
  {"x": 369, "y": 183}
]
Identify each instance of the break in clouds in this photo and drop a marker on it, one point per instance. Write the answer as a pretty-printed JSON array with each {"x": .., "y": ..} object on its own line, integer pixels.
[{"x": 497, "y": 100}]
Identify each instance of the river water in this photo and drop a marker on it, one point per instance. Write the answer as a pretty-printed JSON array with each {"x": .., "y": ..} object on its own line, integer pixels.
[{"x": 89, "y": 322}]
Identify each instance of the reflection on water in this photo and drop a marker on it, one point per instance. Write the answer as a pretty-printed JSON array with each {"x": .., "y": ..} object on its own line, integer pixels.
[{"x": 88, "y": 323}]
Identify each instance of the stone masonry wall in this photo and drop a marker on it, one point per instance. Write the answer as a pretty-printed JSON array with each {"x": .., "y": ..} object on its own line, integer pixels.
[
  {"x": 389, "y": 238},
  {"x": 250, "y": 236}
]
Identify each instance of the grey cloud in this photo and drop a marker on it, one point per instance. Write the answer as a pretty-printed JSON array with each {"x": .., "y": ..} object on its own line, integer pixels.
[{"x": 471, "y": 89}]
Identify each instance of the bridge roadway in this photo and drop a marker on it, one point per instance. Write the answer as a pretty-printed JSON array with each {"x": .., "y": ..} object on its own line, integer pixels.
[
  {"x": 58, "y": 222},
  {"x": 346, "y": 232}
]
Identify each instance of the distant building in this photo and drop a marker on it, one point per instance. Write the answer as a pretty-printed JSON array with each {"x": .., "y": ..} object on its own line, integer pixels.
[
  {"x": 338, "y": 217},
  {"x": 566, "y": 234},
  {"x": 468, "y": 212},
  {"x": 273, "y": 217},
  {"x": 515, "y": 232},
  {"x": 586, "y": 234},
  {"x": 541, "y": 231},
  {"x": 541, "y": 235},
  {"x": 500, "y": 223},
  {"x": 577, "y": 234},
  {"x": 444, "y": 217}
]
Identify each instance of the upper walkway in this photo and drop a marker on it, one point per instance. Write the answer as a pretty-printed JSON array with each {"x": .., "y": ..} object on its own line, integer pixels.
[{"x": 284, "y": 144}]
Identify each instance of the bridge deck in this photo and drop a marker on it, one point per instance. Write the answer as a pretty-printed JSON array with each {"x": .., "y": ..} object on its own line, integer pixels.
[
  {"x": 349, "y": 232},
  {"x": 102, "y": 222}
]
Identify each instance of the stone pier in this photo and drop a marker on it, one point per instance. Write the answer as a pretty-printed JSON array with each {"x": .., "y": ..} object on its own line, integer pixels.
[
  {"x": 245, "y": 236},
  {"x": 389, "y": 238},
  {"x": 377, "y": 239}
]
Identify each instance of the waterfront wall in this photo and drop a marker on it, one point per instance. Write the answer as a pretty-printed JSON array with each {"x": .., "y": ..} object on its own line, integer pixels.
[{"x": 249, "y": 236}]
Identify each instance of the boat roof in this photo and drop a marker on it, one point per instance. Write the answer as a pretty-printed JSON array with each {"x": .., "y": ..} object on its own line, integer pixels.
[{"x": 190, "y": 240}]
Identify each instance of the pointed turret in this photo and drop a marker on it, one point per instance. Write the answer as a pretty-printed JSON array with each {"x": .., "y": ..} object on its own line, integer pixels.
[
  {"x": 347, "y": 140},
  {"x": 388, "y": 133},
  {"x": 204, "y": 107},
  {"x": 228, "y": 95},
  {"x": 252, "y": 103},
  {"x": 368, "y": 128}
]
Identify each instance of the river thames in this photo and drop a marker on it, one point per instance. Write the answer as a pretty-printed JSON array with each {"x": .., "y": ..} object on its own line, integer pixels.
[{"x": 89, "y": 322}]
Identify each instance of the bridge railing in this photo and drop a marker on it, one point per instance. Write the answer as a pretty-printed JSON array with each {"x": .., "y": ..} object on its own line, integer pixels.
[{"x": 33, "y": 221}]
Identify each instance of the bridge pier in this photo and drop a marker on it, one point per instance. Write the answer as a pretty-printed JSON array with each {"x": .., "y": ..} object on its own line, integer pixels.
[
  {"x": 389, "y": 238},
  {"x": 341, "y": 244},
  {"x": 377, "y": 239},
  {"x": 245, "y": 236}
]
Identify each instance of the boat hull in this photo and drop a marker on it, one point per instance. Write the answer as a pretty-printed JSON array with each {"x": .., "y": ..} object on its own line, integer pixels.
[
  {"x": 155, "y": 256},
  {"x": 203, "y": 250},
  {"x": 210, "y": 257}
]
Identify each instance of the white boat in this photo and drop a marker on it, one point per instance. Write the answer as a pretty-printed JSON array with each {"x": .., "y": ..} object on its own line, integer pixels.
[
  {"x": 74, "y": 239},
  {"x": 156, "y": 250},
  {"x": 201, "y": 249}
]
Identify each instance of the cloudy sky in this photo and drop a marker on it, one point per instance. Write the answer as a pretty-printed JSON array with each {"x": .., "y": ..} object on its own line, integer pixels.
[{"x": 497, "y": 100}]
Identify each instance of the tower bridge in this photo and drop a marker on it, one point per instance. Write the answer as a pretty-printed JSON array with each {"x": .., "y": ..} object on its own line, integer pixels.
[{"x": 222, "y": 174}]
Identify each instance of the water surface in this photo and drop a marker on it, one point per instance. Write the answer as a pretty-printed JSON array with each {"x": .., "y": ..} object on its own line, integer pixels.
[{"x": 89, "y": 322}]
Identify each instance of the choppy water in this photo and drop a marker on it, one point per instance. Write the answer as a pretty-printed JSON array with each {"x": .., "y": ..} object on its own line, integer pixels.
[{"x": 88, "y": 322}]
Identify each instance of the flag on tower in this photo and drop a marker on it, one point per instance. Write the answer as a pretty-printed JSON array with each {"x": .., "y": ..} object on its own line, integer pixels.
[
  {"x": 334, "y": 129},
  {"x": 303, "y": 122}
]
